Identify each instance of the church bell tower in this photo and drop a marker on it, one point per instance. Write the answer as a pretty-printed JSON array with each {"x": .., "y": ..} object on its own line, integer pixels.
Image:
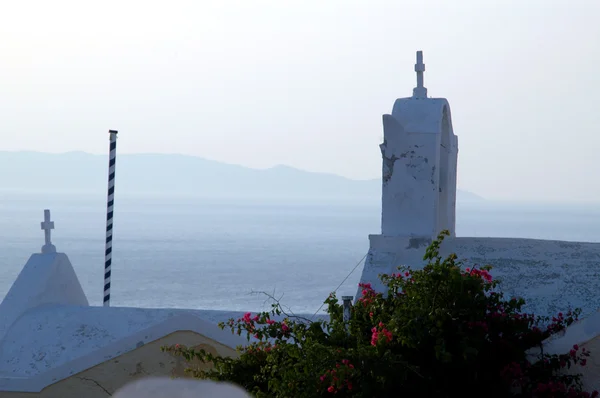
[{"x": 420, "y": 153}]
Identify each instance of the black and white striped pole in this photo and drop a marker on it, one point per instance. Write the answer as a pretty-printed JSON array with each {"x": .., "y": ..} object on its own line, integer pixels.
[{"x": 110, "y": 203}]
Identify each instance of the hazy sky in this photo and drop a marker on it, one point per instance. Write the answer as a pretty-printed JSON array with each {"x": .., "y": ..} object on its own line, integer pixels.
[{"x": 305, "y": 83}]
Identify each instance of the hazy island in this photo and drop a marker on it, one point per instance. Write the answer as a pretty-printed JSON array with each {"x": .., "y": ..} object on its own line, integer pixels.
[{"x": 160, "y": 174}]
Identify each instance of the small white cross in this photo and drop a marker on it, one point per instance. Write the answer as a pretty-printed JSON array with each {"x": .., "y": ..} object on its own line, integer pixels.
[
  {"x": 420, "y": 91},
  {"x": 47, "y": 226}
]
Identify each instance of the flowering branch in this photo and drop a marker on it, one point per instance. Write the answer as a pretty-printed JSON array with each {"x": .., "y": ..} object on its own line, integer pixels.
[{"x": 442, "y": 330}]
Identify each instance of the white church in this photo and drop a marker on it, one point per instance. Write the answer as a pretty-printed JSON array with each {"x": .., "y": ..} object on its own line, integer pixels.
[
  {"x": 54, "y": 344},
  {"x": 420, "y": 154}
]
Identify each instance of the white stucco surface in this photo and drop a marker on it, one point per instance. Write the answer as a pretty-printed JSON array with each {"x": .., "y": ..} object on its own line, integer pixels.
[
  {"x": 420, "y": 115},
  {"x": 579, "y": 333},
  {"x": 53, "y": 342},
  {"x": 420, "y": 153},
  {"x": 552, "y": 276},
  {"x": 45, "y": 279}
]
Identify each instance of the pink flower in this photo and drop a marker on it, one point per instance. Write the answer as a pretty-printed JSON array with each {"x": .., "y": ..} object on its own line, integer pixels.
[
  {"x": 247, "y": 318},
  {"x": 387, "y": 334},
  {"x": 284, "y": 327},
  {"x": 480, "y": 273},
  {"x": 486, "y": 275},
  {"x": 376, "y": 334},
  {"x": 331, "y": 389}
]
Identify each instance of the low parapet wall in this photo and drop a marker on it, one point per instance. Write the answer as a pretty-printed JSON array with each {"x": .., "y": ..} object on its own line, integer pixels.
[{"x": 552, "y": 276}]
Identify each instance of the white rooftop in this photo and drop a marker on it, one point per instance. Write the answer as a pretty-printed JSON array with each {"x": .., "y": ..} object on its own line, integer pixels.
[
  {"x": 46, "y": 278},
  {"x": 48, "y": 331},
  {"x": 53, "y": 335}
]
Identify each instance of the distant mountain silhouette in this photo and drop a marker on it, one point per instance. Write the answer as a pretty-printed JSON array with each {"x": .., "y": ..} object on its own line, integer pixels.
[{"x": 82, "y": 173}]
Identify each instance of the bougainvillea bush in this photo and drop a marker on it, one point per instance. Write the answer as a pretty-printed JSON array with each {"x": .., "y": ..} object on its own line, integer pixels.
[{"x": 441, "y": 331}]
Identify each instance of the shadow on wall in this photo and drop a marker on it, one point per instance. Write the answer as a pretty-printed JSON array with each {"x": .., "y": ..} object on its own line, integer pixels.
[
  {"x": 167, "y": 388},
  {"x": 181, "y": 365}
]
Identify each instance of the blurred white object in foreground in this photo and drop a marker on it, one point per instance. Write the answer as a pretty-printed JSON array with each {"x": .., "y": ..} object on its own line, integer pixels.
[{"x": 162, "y": 387}]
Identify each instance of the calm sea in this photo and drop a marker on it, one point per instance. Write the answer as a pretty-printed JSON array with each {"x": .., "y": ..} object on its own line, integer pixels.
[{"x": 220, "y": 254}]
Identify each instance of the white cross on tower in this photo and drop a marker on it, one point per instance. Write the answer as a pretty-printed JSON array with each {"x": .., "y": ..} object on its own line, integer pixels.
[
  {"x": 47, "y": 226},
  {"x": 420, "y": 91}
]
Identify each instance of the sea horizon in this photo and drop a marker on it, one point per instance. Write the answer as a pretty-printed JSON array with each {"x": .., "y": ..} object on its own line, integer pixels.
[{"x": 217, "y": 253}]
